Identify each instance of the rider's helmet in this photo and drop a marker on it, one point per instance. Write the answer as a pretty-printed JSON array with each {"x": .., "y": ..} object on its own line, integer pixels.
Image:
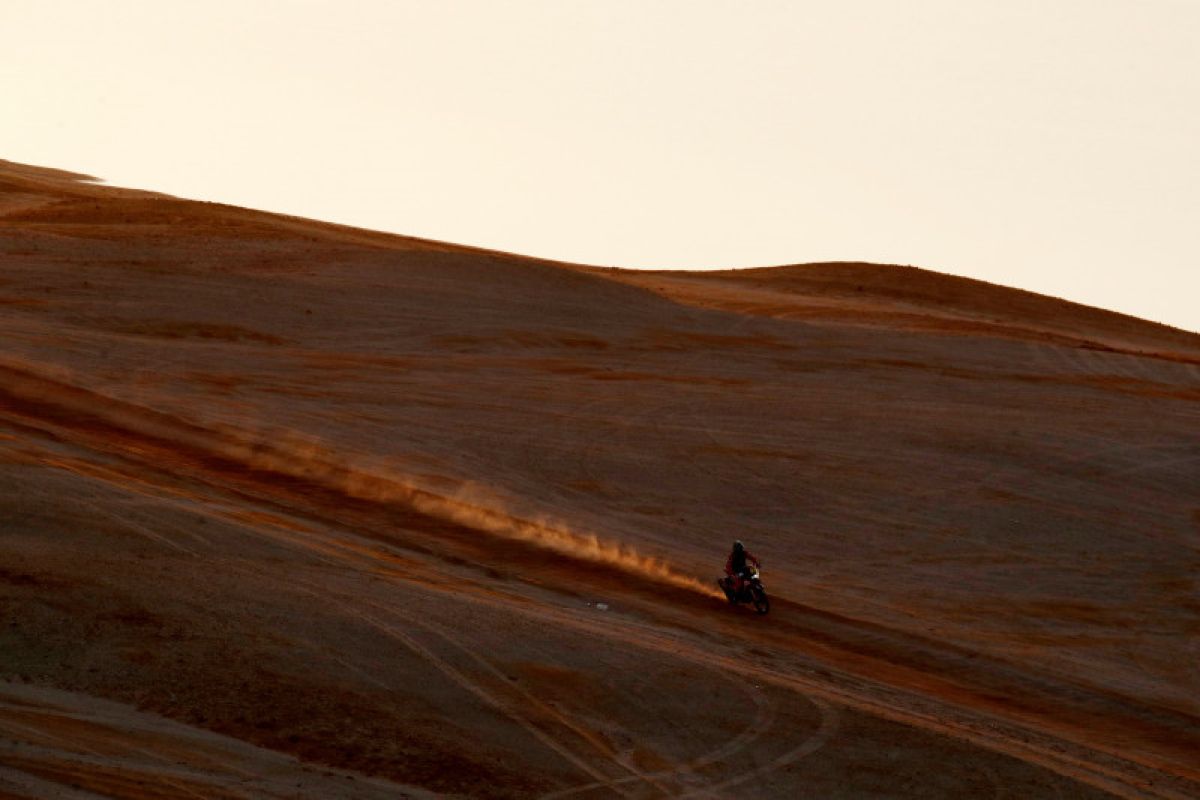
[{"x": 738, "y": 547}]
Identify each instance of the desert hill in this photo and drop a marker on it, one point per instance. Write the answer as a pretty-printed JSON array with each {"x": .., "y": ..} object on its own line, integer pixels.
[
  {"x": 295, "y": 509},
  {"x": 907, "y": 297}
]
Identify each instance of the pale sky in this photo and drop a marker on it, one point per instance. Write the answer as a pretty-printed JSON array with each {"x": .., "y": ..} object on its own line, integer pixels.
[{"x": 1050, "y": 145}]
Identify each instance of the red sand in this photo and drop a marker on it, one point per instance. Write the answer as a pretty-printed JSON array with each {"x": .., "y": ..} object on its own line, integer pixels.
[{"x": 273, "y": 489}]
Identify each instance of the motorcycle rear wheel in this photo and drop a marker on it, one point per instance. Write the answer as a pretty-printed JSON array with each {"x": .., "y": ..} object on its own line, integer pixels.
[
  {"x": 761, "y": 604},
  {"x": 728, "y": 594}
]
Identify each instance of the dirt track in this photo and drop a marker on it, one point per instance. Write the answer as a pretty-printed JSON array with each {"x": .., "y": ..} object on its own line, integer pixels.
[{"x": 356, "y": 498}]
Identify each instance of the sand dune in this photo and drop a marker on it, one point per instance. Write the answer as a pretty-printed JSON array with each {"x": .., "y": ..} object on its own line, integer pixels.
[{"x": 294, "y": 509}]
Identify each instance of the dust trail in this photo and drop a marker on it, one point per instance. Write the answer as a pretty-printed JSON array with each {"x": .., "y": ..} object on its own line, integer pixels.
[
  {"x": 30, "y": 391},
  {"x": 471, "y": 505}
]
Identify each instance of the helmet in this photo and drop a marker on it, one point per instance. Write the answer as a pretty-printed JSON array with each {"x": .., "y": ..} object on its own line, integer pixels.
[{"x": 737, "y": 545}]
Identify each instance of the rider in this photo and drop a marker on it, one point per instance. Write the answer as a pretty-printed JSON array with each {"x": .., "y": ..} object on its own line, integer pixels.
[{"x": 735, "y": 565}]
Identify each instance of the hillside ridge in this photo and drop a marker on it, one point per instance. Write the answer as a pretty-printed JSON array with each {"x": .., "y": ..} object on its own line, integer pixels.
[{"x": 904, "y": 288}]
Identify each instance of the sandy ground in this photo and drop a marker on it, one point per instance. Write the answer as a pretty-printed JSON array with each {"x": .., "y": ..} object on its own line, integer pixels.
[{"x": 295, "y": 510}]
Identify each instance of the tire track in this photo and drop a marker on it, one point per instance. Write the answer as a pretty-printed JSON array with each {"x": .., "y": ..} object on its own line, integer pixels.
[
  {"x": 592, "y": 739},
  {"x": 764, "y": 717},
  {"x": 528, "y": 699},
  {"x": 488, "y": 696},
  {"x": 830, "y": 720},
  {"x": 137, "y": 527}
]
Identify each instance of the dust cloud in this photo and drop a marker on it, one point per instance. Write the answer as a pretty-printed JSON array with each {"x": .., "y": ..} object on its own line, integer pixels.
[{"x": 288, "y": 454}]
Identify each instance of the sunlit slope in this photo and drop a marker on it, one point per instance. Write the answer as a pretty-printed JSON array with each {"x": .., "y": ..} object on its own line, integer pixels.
[
  {"x": 906, "y": 297},
  {"x": 250, "y": 458}
]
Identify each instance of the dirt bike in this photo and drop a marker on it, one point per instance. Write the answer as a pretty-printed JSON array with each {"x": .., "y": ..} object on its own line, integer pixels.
[{"x": 752, "y": 590}]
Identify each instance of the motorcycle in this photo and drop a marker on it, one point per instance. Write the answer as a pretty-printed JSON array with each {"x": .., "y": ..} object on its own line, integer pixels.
[{"x": 751, "y": 591}]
